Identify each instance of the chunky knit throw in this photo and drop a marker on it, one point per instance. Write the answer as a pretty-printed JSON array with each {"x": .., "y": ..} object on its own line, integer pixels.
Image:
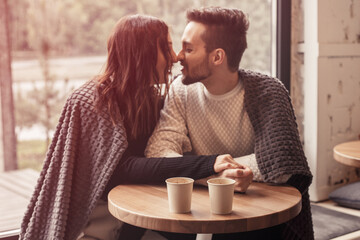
[
  {"x": 278, "y": 148},
  {"x": 81, "y": 158}
]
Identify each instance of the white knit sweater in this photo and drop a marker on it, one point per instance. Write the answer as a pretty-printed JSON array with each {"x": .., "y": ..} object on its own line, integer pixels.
[{"x": 193, "y": 120}]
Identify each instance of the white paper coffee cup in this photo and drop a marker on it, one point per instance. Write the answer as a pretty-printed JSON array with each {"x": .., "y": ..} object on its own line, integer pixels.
[
  {"x": 221, "y": 191},
  {"x": 179, "y": 191}
]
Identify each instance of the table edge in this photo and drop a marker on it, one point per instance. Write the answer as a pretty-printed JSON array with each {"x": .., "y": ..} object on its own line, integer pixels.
[
  {"x": 209, "y": 226},
  {"x": 345, "y": 159}
]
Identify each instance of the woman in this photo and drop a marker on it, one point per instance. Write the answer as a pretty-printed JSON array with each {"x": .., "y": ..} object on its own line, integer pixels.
[{"x": 103, "y": 130}]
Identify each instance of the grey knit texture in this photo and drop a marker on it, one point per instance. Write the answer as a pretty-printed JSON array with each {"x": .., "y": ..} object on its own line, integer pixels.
[
  {"x": 278, "y": 149},
  {"x": 84, "y": 152}
]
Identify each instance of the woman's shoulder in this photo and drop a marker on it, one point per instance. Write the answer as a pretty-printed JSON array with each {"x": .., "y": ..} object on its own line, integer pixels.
[
  {"x": 83, "y": 100},
  {"x": 85, "y": 93}
]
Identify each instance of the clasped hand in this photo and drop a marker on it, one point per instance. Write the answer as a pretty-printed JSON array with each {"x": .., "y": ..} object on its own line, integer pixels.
[{"x": 226, "y": 166}]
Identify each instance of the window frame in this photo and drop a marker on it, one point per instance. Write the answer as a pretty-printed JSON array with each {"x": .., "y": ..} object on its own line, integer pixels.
[{"x": 281, "y": 43}]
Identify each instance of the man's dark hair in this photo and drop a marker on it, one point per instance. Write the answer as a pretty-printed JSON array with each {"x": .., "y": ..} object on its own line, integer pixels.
[{"x": 225, "y": 28}]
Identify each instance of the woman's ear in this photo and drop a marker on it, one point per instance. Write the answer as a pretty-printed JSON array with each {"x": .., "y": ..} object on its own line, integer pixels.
[{"x": 218, "y": 56}]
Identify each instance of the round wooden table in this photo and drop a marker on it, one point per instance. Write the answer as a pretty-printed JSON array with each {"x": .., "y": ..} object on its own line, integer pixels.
[
  {"x": 348, "y": 153},
  {"x": 262, "y": 206}
]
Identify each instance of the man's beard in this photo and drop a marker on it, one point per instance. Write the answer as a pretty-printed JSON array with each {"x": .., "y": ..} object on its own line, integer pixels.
[{"x": 198, "y": 73}]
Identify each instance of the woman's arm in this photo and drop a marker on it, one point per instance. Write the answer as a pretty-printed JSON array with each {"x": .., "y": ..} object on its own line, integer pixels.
[
  {"x": 155, "y": 170},
  {"x": 134, "y": 169}
]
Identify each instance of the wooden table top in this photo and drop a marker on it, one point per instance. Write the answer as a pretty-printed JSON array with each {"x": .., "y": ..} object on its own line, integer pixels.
[
  {"x": 348, "y": 153},
  {"x": 262, "y": 206}
]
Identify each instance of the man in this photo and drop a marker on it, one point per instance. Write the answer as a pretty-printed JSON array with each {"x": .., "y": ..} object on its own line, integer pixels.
[{"x": 214, "y": 108}]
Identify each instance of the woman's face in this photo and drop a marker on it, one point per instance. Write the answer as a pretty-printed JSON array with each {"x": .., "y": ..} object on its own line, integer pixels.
[{"x": 161, "y": 60}]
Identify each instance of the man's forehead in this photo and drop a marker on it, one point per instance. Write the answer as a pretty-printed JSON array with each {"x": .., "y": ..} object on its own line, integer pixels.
[{"x": 192, "y": 33}]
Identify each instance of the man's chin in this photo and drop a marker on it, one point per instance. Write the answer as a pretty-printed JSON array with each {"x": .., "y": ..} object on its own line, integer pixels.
[{"x": 187, "y": 80}]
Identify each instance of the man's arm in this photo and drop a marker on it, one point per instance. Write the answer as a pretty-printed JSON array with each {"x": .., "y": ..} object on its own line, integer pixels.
[
  {"x": 170, "y": 137},
  {"x": 250, "y": 161}
]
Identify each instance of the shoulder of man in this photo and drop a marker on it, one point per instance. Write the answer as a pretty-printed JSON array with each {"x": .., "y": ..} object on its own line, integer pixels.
[{"x": 254, "y": 80}]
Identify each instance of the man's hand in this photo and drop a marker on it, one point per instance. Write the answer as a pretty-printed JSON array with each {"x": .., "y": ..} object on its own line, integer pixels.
[
  {"x": 243, "y": 177},
  {"x": 227, "y": 167}
]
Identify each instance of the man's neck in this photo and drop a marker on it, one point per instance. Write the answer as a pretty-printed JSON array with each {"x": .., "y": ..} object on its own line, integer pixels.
[{"x": 221, "y": 83}]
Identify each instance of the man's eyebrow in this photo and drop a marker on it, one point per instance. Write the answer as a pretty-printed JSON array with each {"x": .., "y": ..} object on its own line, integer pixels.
[{"x": 185, "y": 43}]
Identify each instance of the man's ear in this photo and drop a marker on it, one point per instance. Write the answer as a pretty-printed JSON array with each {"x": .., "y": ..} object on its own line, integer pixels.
[{"x": 218, "y": 56}]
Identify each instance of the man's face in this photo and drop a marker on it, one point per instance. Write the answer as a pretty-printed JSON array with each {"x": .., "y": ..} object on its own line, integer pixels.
[{"x": 193, "y": 56}]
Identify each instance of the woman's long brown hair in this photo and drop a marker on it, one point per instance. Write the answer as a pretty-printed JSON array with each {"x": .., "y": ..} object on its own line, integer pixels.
[{"x": 126, "y": 87}]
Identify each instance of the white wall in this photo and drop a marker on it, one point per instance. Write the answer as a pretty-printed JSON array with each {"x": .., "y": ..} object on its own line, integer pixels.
[{"x": 331, "y": 88}]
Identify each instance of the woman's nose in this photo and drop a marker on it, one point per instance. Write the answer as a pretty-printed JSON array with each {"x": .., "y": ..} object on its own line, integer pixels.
[
  {"x": 174, "y": 58},
  {"x": 180, "y": 55}
]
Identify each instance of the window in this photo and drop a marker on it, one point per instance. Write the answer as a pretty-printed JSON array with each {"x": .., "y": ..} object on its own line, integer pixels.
[
  {"x": 282, "y": 40},
  {"x": 79, "y": 29}
]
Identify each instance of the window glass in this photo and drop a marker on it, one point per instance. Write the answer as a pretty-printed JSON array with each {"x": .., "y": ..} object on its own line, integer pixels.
[{"x": 57, "y": 45}]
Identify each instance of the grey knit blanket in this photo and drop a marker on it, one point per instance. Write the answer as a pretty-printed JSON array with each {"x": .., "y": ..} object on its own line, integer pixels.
[
  {"x": 278, "y": 148},
  {"x": 84, "y": 152}
]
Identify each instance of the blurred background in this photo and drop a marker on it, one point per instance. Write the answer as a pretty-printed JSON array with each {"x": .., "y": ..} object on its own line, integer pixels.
[
  {"x": 54, "y": 46},
  {"x": 57, "y": 45}
]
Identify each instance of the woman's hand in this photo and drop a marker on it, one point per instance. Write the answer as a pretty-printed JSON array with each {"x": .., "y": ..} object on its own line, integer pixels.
[
  {"x": 224, "y": 162},
  {"x": 227, "y": 167}
]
